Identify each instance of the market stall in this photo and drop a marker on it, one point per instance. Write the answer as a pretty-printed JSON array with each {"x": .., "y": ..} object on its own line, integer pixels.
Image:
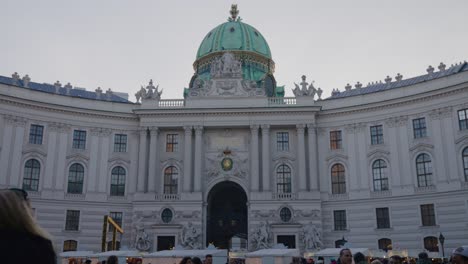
[
  {"x": 176, "y": 255},
  {"x": 122, "y": 255},
  {"x": 77, "y": 256},
  {"x": 272, "y": 256},
  {"x": 329, "y": 254}
]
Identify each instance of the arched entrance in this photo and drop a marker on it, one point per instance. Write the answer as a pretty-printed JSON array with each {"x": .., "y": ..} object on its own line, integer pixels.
[{"x": 226, "y": 214}]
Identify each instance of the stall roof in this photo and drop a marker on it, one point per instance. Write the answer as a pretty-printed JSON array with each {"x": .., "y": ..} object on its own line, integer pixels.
[
  {"x": 72, "y": 254},
  {"x": 120, "y": 253},
  {"x": 274, "y": 252},
  {"x": 189, "y": 253},
  {"x": 334, "y": 252}
]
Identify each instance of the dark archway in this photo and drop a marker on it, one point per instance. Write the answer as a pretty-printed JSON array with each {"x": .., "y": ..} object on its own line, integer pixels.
[{"x": 226, "y": 214}]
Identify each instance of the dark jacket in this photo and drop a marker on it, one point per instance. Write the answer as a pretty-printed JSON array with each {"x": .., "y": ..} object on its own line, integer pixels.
[{"x": 19, "y": 247}]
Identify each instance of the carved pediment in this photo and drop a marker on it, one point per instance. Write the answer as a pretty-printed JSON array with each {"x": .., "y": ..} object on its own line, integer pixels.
[
  {"x": 421, "y": 147},
  {"x": 77, "y": 156},
  {"x": 337, "y": 156},
  {"x": 378, "y": 153},
  {"x": 35, "y": 152}
]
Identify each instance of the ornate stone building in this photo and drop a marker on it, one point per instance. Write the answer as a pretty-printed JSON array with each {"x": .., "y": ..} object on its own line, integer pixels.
[{"x": 237, "y": 164}]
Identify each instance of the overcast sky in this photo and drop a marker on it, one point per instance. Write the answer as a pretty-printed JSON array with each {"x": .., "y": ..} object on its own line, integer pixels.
[{"x": 121, "y": 44}]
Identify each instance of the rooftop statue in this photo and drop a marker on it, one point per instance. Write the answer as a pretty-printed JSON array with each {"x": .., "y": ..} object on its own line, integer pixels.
[{"x": 148, "y": 93}]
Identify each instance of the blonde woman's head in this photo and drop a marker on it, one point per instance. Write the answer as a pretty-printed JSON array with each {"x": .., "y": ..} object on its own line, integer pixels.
[{"x": 15, "y": 214}]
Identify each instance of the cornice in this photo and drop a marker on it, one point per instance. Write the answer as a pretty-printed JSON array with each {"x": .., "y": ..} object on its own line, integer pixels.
[
  {"x": 390, "y": 103},
  {"x": 23, "y": 103}
]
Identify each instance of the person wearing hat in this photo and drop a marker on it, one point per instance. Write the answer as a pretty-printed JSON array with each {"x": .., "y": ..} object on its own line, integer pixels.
[{"x": 460, "y": 255}]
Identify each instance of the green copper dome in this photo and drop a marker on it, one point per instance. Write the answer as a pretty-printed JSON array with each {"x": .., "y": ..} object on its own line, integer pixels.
[{"x": 234, "y": 36}]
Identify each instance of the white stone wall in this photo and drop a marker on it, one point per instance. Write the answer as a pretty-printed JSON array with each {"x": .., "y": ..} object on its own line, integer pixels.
[{"x": 206, "y": 131}]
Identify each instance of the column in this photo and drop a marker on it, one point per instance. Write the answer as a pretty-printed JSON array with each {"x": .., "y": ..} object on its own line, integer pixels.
[
  {"x": 152, "y": 159},
  {"x": 301, "y": 157},
  {"x": 104, "y": 147},
  {"x": 187, "y": 158},
  {"x": 94, "y": 156},
  {"x": 63, "y": 143},
  {"x": 198, "y": 158},
  {"x": 17, "y": 153},
  {"x": 313, "y": 157},
  {"x": 51, "y": 156},
  {"x": 6, "y": 152},
  {"x": 142, "y": 161},
  {"x": 266, "y": 158},
  {"x": 254, "y": 177}
]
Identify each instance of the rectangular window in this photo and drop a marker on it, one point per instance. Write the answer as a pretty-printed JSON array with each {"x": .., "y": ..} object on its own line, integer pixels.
[
  {"x": 428, "y": 215},
  {"x": 419, "y": 127},
  {"x": 463, "y": 119},
  {"x": 376, "y": 135},
  {"x": 172, "y": 143},
  {"x": 282, "y": 141},
  {"x": 79, "y": 139},
  {"x": 35, "y": 134},
  {"x": 73, "y": 220},
  {"x": 117, "y": 217},
  {"x": 339, "y": 218},
  {"x": 335, "y": 139},
  {"x": 120, "y": 143},
  {"x": 383, "y": 217}
]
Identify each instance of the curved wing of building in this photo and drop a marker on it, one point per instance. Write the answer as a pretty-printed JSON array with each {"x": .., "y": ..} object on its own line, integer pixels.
[{"x": 237, "y": 164}]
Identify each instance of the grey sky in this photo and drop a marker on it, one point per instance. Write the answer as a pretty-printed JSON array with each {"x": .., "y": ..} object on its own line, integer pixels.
[{"x": 122, "y": 44}]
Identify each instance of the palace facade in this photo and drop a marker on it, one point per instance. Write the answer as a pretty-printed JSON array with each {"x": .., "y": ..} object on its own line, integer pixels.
[{"x": 237, "y": 164}]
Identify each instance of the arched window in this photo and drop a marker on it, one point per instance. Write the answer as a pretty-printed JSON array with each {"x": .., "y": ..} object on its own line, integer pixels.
[
  {"x": 32, "y": 171},
  {"x": 75, "y": 178},
  {"x": 379, "y": 173},
  {"x": 171, "y": 175},
  {"x": 385, "y": 244},
  {"x": 338, "y": 179},
  {"x": 465, "y": 163},
  {"x": 166, "y": 215},
  {"x": 118, "y": 181},
  {"x": 283, "y": 178},
  {"x": 70, "y": 245},
  {"x": 285, "y": 214},
  {"x": 431, "y": 244},
  {"x": 424, "y": 170}
]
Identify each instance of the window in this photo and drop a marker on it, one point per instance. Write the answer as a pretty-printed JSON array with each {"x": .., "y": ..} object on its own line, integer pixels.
[
  {"x": 338, "y": 179},
  {"x": 376, "y": 135},
  {"x": 120, "y": 143},
  {"x": 109, "y": 245},
  {"x": 419, "y": 127},
  {"x": 428, "y": 215},
  {"x": 463, "y": 119},
  {"x": 283, "y": 177},
  {"x": 285, "y": 214},
  {"x": 72, "y": 222},
  {"x": 32, "y": 170},
  {"x": 339, "y": 218},
  {"x": 282, "y": 141},
  {"x": 35, "y": 134},
  {"x": 171, "y": 176},
  {"x": 383, "y": 217},
  {"x": 75, "y": 178},
  {"x": 379, "y": 173},
  {"x": 424, "y": 170},
  {"x": 117, "y": 217},
  {"x": 335, "y": 140},
  {"x": 172, "y": 143},
  {"x": 166, "y": 215},
  {"x": 465, "y": 163},
  {"x": 117, "y": 181},
  {"x": 431, "y": 244},
  {"x": 385, "y": 244},
  {"x": 70, "y": 245},
  {"x": 79, "y": 139}
]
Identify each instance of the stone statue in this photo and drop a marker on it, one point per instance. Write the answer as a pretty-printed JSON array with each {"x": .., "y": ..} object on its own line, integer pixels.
[
  {"x": 150, "y": 93},
  {"x": 311, "y": 237},
  {"x": 190, "y": 237},
  {"x": 306, "y": 90},
  {"x": 142, "y": 242},
  {"x": 260, "y": 236},
  {"x": 226, "y": 66}
]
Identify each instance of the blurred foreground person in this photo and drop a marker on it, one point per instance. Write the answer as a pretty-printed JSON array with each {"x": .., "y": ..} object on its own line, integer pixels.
[
  {"x": 21, "y": 239},
  {"x": 359, "y": 258},
  {"x": 460, "y": 255},
  {"x": 395, "y": 259},
  {"x": 112, "y": 260},
  {"x": 346, "y": 257}
]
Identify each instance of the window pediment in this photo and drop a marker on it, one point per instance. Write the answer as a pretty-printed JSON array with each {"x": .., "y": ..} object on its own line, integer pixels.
[{"x": 421, "y": 147}]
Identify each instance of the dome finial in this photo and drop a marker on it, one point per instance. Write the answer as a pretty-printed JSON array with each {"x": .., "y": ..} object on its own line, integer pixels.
[{"x": 234, "y": 12}]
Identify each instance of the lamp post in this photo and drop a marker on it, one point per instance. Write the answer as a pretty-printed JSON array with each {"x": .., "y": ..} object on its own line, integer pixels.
[{"x": 442, "y": 240}]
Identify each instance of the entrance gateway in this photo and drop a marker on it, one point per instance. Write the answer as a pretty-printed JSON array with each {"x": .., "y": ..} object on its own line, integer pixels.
[{"x": 226, "y": 215}]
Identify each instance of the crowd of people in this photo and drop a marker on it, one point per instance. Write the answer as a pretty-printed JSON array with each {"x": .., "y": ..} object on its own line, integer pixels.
[{"x": 22, "y": 240}]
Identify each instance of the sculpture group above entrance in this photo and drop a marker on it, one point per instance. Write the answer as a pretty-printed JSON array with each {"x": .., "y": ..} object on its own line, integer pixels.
[{"x": 226, "y": 80}]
